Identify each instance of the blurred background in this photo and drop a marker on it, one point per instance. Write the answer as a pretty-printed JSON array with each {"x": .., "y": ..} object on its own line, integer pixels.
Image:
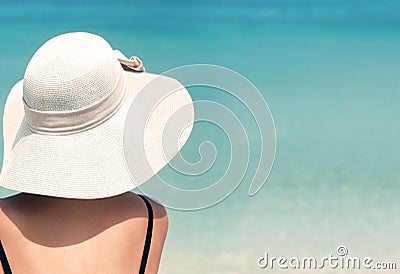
[{"x": 329, "y": 70}]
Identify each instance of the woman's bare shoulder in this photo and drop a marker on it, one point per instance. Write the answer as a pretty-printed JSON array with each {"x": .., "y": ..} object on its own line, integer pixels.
[
  {"x": 125, "y": 215},
  {"x": 2, "y": 202},
  {"x": 21, "y": 210},
  {"x": 159, "y": 213},
  {"x": 1, "y": 218},
  {"x": 160, "y": 228}
]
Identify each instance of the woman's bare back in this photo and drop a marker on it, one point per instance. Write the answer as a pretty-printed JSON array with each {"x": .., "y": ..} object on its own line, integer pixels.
[{"x": 52, "y": 235}]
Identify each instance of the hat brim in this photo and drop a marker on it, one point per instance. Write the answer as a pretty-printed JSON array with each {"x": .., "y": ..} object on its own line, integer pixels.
[{"x": 93, "y": 163}]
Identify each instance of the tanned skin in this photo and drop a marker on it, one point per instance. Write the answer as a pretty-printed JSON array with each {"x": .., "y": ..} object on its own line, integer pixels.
[{"x": 43, "y": 234}]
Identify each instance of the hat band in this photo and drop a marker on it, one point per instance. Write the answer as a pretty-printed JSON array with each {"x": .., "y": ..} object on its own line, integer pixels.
[{"x": 68, "y": 122}]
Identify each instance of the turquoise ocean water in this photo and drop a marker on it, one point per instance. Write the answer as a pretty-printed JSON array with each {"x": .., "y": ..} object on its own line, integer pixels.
[{"x": 329, "y": 71}]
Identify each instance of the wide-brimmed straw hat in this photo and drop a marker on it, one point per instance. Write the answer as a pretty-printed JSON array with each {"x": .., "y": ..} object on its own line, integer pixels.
[{"x": 66, "y": 124}]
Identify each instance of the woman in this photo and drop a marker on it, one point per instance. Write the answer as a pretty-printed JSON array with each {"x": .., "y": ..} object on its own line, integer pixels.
[{"x": 79, "y": 134}]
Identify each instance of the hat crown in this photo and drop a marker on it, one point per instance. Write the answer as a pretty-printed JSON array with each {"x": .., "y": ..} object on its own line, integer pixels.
[{"x": 70, "y": 72}]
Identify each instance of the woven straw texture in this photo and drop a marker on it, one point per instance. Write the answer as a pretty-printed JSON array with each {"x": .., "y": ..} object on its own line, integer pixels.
[{"x": 92, "y": 163}]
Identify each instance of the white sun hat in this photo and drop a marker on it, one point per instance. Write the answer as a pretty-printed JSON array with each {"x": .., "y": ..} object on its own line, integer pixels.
[{"x": 65, "y": 124}]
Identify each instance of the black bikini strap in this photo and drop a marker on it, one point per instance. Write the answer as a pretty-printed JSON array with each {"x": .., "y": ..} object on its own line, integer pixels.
[
  {"x": 149, "y": 233},
  {"x": 4, "y": 261},
  {"x": 146, "y": 249}
]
